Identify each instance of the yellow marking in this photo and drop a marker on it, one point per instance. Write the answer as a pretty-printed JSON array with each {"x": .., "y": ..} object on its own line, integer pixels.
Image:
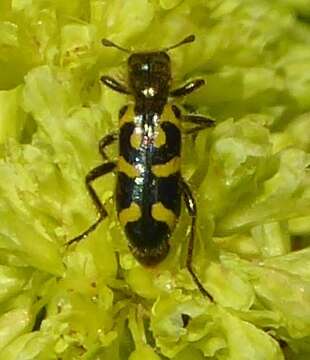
[
  {"x": 126, "y": 168},
  {"x": 133, "y": 213},
  {"x": 169, "y": 168},
  {"x": 168, "y": 116},
  {"x": 160, "y": 213},
  {"x": 136, "y": 138},
  {"x": 128, "y": 116},
  {"x": 160, "y": 137}
]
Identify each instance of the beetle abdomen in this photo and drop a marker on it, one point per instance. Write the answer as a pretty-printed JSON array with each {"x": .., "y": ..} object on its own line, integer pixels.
[{"x": 148, "y": 195}]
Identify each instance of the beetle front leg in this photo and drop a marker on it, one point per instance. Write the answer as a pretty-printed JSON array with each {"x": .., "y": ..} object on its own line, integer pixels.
[
  {"x": 114, "y": 85},
  {"x": 192, "y": 210},
  {"x": 187, "y": 88},
  {"x": 90, "y": 177}
]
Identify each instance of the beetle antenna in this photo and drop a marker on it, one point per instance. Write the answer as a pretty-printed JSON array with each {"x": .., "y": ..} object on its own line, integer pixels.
[
  {"x": 108, "y": 43},
  {"x": 187, "y": 40}
]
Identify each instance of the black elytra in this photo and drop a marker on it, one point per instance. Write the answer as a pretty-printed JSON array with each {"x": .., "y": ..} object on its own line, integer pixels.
[{"x": 149, "y": 185}]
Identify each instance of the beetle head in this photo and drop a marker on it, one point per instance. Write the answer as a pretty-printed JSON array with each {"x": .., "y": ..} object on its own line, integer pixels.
[{"x": 149, "y": 74}]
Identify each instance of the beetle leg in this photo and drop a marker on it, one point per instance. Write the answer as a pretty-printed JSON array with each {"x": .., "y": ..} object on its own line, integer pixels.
[
  {"x": 201, "y": 122},
  {"x": 187, "y": 88},
  {"x": 114, "y": 85},
  {"x": 106, "y": 141},
  {"x": 94, "y": 174},
  {"x": 192, "y": 210}
]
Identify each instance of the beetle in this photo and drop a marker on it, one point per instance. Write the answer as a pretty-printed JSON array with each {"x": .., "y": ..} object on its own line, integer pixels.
[{"x": 149, "y": 184}]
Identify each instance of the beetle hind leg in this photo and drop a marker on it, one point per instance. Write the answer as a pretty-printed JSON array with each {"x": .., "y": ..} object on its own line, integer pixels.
[{"x": 192, "y": 210}]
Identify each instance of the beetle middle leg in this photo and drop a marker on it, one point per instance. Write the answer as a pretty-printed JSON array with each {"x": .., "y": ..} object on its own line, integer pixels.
[
  {"x": 94, "y": 174},
  {"x": 192, "y": 210},
  {"x": 200, "y": 122},
  {"x": 106, "y": 141}
]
